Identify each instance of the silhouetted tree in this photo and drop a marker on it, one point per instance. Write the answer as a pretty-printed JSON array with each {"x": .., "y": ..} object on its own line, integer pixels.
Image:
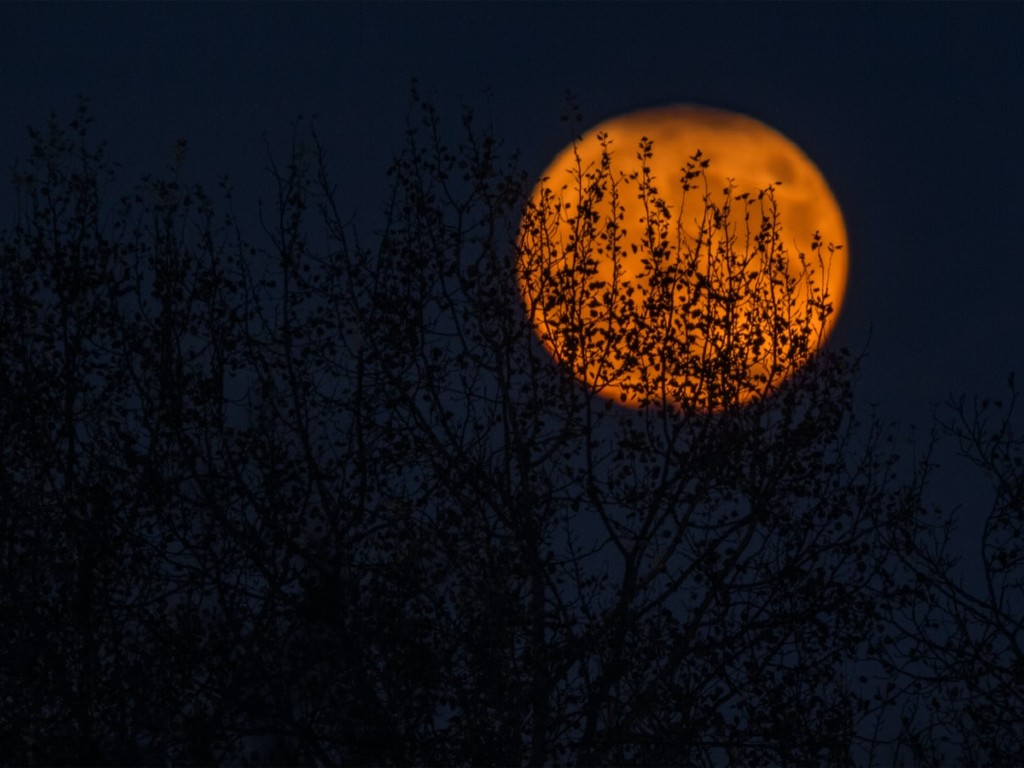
[
  {"x": 672, "y": 584},
  {"x": 299, "y": 499},
  {"x": 958, "y": 641}
]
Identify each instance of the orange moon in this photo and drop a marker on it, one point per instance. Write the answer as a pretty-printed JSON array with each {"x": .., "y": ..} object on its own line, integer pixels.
[{"x": 744, "y": 156}]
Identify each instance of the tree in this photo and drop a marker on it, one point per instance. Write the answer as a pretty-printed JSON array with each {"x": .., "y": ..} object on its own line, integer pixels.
[
  {"x": 671, "y": 567},
  {"x": 305, "y": 500},
  {"x": 960, "y": 639}
]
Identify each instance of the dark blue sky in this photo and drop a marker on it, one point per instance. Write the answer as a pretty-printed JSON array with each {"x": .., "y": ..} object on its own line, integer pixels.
[{"x": 913, "y": 113}]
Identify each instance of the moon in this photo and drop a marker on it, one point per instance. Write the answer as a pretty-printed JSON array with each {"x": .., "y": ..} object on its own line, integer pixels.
[{"x": 709, "y": 301}]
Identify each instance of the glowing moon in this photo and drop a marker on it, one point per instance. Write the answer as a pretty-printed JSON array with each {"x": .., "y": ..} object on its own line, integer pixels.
[{"x": 602, "y": 274}]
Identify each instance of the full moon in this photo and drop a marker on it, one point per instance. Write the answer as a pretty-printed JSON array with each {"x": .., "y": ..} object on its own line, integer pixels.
[{"x": 682, "y": 255}]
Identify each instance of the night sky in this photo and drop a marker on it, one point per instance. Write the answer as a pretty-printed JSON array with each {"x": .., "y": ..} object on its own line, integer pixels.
[{"x": 913, "y": 113}]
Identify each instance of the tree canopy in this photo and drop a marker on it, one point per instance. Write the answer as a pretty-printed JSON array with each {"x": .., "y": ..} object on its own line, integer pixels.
[{"x": 303, "y": 497}]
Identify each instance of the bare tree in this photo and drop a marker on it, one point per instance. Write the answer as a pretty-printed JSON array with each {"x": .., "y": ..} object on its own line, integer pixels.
[
  {"x": 960, "y": 632},
  {"x": 298, "y": 499},
  {"x": 654, "y": 585}
]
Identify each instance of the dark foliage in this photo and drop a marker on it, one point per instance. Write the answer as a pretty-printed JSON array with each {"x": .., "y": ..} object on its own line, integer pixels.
[{"x": 317, "y": 502}]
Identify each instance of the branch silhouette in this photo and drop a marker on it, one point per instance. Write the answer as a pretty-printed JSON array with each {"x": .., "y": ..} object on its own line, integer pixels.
[{"x": 305, "y": 499}]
